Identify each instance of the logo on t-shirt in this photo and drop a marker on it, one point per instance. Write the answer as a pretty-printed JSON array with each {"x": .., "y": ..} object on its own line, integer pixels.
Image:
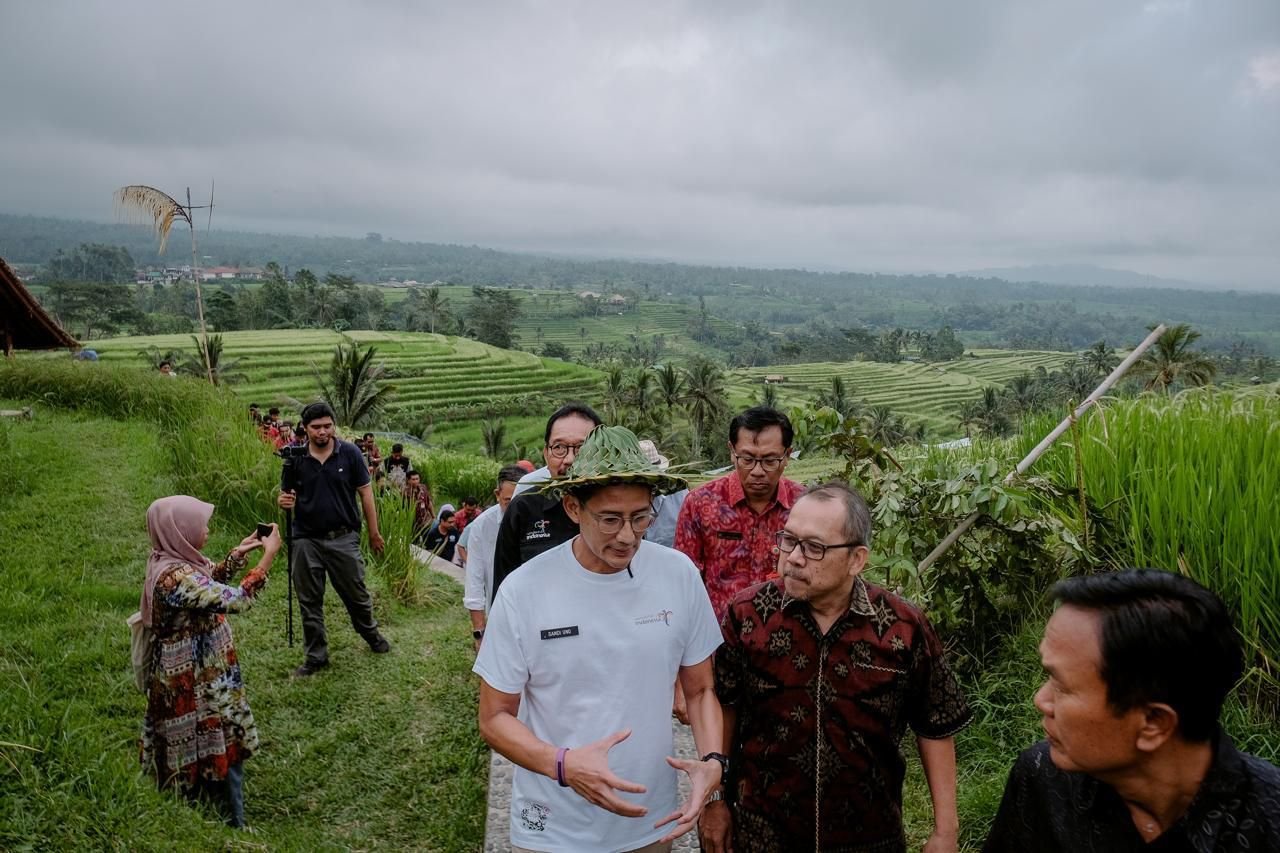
[
  {"x": 663, "y": 616},
  {"x": 534, "y": 817},
  {"x": 539, "y": 530}
]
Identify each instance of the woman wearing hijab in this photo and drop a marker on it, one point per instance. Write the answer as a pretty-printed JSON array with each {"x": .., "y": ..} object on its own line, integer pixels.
[{"x": 198, "y": 728}]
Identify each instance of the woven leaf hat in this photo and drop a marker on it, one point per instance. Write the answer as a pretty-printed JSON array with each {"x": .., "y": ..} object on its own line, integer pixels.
[{"x": 611, "y": 456}]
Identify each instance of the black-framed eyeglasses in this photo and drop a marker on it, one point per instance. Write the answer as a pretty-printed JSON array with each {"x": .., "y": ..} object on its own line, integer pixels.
[
  {"x": 767, "y": 463},
  {"x": 812, "y": 550},
  {"x": 560, "y": 450},
  {"x": 611, "y": 522}
]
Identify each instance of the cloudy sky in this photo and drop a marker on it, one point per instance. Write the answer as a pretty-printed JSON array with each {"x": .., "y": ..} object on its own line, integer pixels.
[{"x": 862, "y": 134}]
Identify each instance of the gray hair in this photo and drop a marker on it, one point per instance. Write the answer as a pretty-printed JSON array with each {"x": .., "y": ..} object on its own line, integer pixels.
[{"x": 857, "y": 517}]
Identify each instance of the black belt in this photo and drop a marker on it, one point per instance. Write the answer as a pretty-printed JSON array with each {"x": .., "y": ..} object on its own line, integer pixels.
[{"x": 330, "y": 534}]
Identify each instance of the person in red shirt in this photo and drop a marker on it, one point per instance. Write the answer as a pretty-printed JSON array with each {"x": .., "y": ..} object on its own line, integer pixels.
[
  {"x": 470, "y": 512},
  {"x": 727, "y": 526}
]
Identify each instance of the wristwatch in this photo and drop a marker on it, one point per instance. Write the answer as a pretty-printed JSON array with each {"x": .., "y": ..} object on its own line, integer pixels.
[
  {"x": 716, "y": 796},
  {"x": 477, "y": 634},
  {"x": 724, "y": 763}
]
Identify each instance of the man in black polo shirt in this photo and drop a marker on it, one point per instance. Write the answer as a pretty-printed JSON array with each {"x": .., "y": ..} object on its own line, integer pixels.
[
  {"x": 533, "y": 522},
  {"x": 326, "y": 534},
  {"x": 1138, "y": 664}
]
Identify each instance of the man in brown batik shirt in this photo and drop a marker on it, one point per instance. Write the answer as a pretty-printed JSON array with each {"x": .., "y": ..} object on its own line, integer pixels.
[{"x": 824, "y": 672}]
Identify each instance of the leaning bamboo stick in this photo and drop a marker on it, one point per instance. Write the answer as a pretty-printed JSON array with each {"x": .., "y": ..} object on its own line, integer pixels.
[{"x": 1045, "y": 443}]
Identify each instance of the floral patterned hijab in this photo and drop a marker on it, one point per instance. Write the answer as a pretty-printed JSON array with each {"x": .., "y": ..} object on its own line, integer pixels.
[{"x": 175, "y": 524}]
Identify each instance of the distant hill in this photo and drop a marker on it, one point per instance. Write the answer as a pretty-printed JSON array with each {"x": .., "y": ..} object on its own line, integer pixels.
[
  {"x": 998, "y": 308},
  {"x": 1087, "y": 275}
]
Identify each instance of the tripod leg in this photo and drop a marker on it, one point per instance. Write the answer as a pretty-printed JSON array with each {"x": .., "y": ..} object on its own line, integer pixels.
[{"x": 288, "y": 559}]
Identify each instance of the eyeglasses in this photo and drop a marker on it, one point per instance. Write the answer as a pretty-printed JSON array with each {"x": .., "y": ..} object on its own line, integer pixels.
[
  {"x": 811, "y": 550},
  {"x": 560, "y": 451},
  {"x": 611, "y": 523},
  {"x": 767, "y": 463}
]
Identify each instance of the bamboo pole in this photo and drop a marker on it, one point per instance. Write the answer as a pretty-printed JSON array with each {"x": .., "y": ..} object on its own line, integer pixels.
[
  {"x": 1045, "y": 443},
  {"x": 195, "y": 277}
]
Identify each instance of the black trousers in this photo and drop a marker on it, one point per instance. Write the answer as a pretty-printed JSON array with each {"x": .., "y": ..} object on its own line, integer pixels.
[{"x": 341, "y": 562}]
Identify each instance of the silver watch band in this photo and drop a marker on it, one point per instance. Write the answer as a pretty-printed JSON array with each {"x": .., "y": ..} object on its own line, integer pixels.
[{"x": 716, "y": 796}]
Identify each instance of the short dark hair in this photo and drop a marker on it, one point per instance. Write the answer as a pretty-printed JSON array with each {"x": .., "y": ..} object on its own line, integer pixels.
[
  {"x": 413, "y": 474},
  {"x": 1164, "y": 638},
  {"x": 368, "y": 435},
  {"x": 581, "y": 410},
  {"x": 254, "y": 406},
  {"x": 273, "y": 411},
  {"x": 314, "y": 411},
  {"x": 509, "y": 474},
  {"x": 470, "y": 500},
  {"x": 759, "y": 418},
  {"x": 857, "y": 517},
  {"x": 446, "y": 514},
  {"x": 397, "y": 448},
  {"x": 166, "y": 361}
]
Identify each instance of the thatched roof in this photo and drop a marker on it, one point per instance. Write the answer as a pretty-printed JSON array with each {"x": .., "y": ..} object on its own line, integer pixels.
[{"x": 23, "y": 323}]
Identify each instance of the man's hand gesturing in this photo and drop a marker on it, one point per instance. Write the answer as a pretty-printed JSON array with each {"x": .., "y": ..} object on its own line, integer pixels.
[
  {"x": 586, "y": 769},
  {"x": 704, "y": 776}
]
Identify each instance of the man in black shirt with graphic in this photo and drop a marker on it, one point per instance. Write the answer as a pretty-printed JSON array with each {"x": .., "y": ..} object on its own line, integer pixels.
[
  {"x": 533, "y": 522},
  {"x": 1138, "y": 665},
  {"x": 326, "y": 534}
]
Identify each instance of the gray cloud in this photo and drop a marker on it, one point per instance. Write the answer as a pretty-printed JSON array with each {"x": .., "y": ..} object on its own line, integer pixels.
[{"x": 868, "y": 135}]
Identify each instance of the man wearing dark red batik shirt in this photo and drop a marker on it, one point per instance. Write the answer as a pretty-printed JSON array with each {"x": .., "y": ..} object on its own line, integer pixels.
[
  {"x": 820, "y": 675},
  {"x": 726, "y": 526}
]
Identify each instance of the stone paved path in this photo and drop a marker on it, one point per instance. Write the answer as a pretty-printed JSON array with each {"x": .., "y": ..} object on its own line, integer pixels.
[{"x": 497, "y": 823}]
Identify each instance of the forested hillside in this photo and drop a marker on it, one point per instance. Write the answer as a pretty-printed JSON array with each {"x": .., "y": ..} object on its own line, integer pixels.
[{"x": 984, "y": 311}]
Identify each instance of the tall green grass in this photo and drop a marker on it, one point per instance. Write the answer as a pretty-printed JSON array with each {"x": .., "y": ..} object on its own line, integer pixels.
[
  {"x": 1187, "y": 483},
  {"x": 379, "y": 752},
  {"x": 212, "y": 447}
]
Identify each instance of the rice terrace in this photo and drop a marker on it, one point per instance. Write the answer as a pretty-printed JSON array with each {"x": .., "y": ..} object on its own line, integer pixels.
[{"x": 693, "y": 427}]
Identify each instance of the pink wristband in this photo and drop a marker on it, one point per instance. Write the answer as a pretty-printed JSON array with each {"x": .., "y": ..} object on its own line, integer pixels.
[{"x": 560, "y": 766}]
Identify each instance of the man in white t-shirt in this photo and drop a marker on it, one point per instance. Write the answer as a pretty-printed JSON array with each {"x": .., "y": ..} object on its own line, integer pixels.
[
  {"x": 580, "y": 657},
  {"x": 479, "y": 538}
]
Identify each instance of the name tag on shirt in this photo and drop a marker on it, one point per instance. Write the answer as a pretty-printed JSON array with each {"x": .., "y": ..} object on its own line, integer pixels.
[
  {"x": 557, "y": 633},
  {"x": 729, "y": 534}
]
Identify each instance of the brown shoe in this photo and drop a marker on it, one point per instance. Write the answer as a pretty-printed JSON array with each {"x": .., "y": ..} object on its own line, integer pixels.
[{"x": 309, "y": 669}]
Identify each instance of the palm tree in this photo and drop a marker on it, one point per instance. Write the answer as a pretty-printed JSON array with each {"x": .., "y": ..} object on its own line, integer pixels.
[
  {"x": 1171, "y": 361},
  {"x": 704, "y": 398},
  {"x": 769, "y": 395},
  {"x": 1101, "y": 358},
  {"x": 641, "y": 393},
  {"x": 436, "y": 306},
  {"x": 615, "y": 391},
  {"x": 884, "y": 427},
  {"x": 218, "y": 369},
  {"x": 985, "y": 414},
  {"x": 836, "y": 397},
  {"x": 494, "y": 435},
  {"x": 670, "y": 386},
  {"x": 1023, "y": 393},
  {"x": 354, "y": 385},
  {"x": 1076, "y": 380}
]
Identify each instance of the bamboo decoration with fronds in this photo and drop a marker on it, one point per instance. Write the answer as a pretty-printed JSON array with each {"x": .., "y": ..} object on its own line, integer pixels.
[{"x": 148, "y": 205}]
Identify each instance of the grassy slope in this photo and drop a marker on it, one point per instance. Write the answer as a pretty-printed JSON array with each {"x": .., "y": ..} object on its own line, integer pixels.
[
  {"x": 927, "y": 393},
  {"x": 379, "y": 752},
  {"x": 431, "y": 370}
]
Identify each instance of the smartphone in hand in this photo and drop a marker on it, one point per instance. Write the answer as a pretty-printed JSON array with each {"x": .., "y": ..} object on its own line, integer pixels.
[{"x": 264, "y": 530}]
